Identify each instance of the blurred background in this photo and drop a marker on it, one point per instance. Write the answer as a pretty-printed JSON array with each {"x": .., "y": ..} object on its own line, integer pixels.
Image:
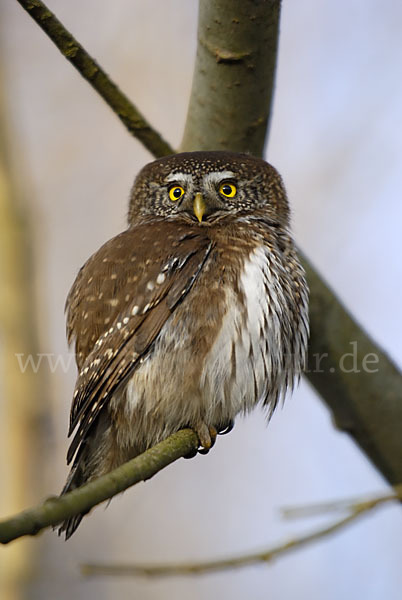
[{"x": 67, "y": 166}]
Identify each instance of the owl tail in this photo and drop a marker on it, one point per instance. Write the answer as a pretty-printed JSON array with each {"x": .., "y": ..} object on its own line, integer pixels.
[
  {"x": 75, "y": 479},
  {"x": 96, "y": 456},
  {"x": 88, "y": 464}
]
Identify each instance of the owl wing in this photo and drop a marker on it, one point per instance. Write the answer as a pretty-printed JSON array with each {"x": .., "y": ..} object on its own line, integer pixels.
[{"x": 129, "y": 297}]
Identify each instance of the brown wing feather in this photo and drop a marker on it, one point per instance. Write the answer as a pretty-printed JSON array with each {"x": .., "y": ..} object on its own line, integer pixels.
[{"x": 150, "y": 289}]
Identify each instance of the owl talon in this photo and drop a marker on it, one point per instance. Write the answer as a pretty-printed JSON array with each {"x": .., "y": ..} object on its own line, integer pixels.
[
  {"x": 226, "y": 428},
  {"x": 207, "y": 437}
]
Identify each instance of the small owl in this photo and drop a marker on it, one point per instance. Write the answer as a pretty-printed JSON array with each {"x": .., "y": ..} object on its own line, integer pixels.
[{"x": 194, "y": 314}]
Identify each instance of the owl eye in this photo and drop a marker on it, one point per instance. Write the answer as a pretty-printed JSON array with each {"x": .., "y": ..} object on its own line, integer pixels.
[
  {"x": 228, "y": 190},
  {"x": 175, "y": 193}
]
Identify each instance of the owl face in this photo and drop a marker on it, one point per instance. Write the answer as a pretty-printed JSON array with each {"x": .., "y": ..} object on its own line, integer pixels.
[{"x": 206, "y": 188}]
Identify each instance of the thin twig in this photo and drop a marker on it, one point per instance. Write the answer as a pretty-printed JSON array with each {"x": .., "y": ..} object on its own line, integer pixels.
[
  {"x": 345, "y": 504},
  {"x": 57, "y": 509},
  {"x": 263, "y": 556},
  {"x": 96, "y": 76}
]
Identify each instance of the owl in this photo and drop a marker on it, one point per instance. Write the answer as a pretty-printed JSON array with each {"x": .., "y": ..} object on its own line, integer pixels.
[{"x": 193, "y": 315}]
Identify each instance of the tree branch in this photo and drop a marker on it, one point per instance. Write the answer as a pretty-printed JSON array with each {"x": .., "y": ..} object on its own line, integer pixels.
[
  {"x": 56, "y": 509},
  {"x": 233, "y": 78},
  {"x": 232, "y": 89},
  {"x": 356, "y": 510},
  {"x": 363, "y": 390},
  {"x": 343, "y": 505},
  {"x": 96, "y": 76}
]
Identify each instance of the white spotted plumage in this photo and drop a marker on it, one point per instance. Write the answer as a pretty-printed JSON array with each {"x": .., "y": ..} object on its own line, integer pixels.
[{"x": 251, "y": 334}]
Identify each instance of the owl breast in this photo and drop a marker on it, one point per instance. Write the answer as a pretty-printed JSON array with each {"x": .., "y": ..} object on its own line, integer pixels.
[
  {"x": 242, "y": 367},
  {"x": 213, "y": 373}
]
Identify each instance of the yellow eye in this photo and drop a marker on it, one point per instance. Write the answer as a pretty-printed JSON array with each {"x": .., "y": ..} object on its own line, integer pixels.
[
  {"x": 228, "y": 190},
  {"x": 175, "y": 193}
]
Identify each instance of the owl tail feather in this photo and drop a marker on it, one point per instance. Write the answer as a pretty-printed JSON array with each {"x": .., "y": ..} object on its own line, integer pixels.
[
  {"x": 89, "y": 463},
  {"x": 70, "y": 525},
  {"x": 75, "y": 479}
]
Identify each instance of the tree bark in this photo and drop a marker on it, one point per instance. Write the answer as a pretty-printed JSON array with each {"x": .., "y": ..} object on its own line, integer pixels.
[
  {"x": 234, "y": 76},
  {"x": 356, "y": 379}
]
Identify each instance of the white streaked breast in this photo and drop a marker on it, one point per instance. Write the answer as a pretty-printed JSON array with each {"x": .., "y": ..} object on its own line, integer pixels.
[{"x": 253, "y": 332}]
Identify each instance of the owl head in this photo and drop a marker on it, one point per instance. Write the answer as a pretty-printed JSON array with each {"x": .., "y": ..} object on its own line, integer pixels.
[{"x": 208, "y": 187}]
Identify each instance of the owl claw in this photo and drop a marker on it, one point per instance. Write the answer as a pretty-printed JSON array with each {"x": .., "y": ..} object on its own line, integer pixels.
[
  {"x": 207, "y": 436},
  {"x": 226, "y": 428}
]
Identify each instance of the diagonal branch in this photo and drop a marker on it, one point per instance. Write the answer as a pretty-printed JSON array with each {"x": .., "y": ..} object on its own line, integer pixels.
[
  {"x": 56, "y": 509},
  {"x": 356, "y": 379},
  {"x": 355, "y": 511},
  {"x": 96, "y": 76}
]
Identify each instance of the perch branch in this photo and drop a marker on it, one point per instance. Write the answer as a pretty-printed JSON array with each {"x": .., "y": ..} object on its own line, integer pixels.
[
  {"x": 97, "y": 78},
  {"x": 356, "y": 510},
  {"x": 56, "y": 509}
]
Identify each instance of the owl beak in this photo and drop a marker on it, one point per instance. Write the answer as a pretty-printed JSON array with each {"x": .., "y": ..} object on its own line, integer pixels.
[{"x": 199, "y": 206}]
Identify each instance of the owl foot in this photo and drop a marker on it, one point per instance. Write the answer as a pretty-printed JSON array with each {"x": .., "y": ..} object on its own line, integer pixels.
[{"x": 206, "y": 437}]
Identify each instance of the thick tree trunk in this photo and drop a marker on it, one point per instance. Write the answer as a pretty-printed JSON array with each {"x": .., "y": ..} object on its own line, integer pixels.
[{"x": 234, "y": 76}]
